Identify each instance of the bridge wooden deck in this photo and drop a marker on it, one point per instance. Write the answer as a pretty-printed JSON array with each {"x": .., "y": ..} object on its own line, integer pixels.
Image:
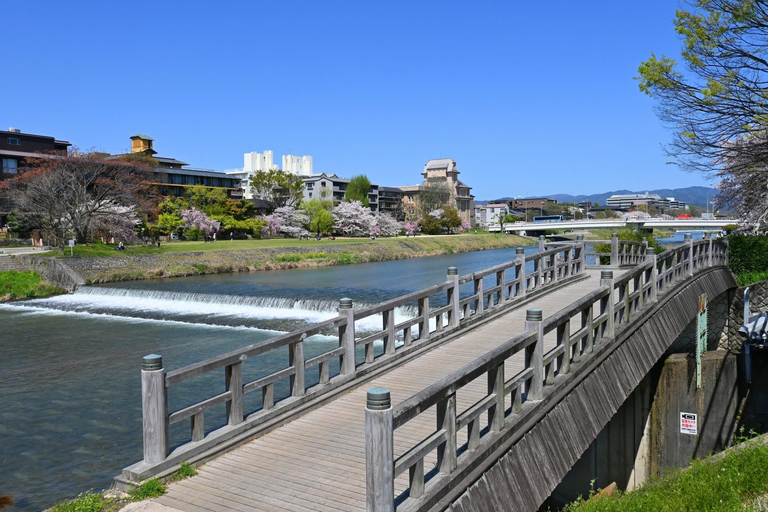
[{"x": 317, "y": 462}]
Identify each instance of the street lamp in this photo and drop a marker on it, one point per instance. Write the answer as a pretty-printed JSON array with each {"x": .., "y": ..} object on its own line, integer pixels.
[{"x": 542, "y": 208}]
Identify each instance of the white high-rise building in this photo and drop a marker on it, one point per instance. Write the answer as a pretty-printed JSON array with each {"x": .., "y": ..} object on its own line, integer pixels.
[
  {"x": 253, "y": 162},
  {"x": 299, "y": 165}
]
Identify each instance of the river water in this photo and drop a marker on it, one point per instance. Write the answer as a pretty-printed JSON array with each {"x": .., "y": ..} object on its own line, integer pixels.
[{"x": 70, "y": 398}]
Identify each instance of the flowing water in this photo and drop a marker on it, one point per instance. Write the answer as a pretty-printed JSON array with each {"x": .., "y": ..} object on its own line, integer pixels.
[{"x": 70, "y": 398}]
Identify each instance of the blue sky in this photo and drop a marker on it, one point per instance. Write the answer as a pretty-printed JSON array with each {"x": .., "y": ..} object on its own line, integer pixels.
[{"x": 529, "y": 99}]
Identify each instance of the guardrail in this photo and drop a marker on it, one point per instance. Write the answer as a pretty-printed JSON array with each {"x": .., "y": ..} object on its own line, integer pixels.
[
  {"x": 623, "y": 252},
  {"x": 432, "y": 321},
  {"x": 593, "y": 319}
]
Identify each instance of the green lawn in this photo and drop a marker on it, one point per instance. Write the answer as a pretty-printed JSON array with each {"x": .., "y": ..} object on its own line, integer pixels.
[
  {"x": 228, "y": 245},
  {"x": 24, "y": 285},
  {"x": 733, "y": 482}
]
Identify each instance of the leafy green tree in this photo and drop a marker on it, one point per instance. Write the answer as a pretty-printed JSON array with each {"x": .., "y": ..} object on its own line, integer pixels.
[
  {"x": 277, "y": 188},
  {"x": 319, "y": 213},
  {"x": 240, "y": 210},
  {"x": 357, "y": 189},
  {"x": 450, "y": 218},
  {"x": 715, "y": 103},
  {"x": 212, "y": 201},
  {"x": 170, "y": 223}
]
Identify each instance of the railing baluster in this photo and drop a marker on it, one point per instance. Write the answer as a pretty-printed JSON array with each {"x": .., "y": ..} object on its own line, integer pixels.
[
  {"x": 606, "y": 304},
  {"x": 453, "y": 297},
  {"x": 198, "y": 427},
  {"x": 416, "y": 479},
  {"x": 564, "y": 339},
  {"x": 388, "y": 320},
  {"x": 324, "y": 372},
  {"x": 446, "y": 420},
  {"x": 586, "y": 319},
  {"x": 296, "y": 359},
  {"x": 496, "y": 388},
  {"x": 501, "y": 296},
  {"x": 424, "y": 315},
  {"x": 479, "y": 293},
  {"x": 268, "y": 396},
  {"x": 233, "y": 381},
  {"x": 473, "y": 434},
  {"x": 347, "y": 336},
  {"x": 520, "y": 270}
]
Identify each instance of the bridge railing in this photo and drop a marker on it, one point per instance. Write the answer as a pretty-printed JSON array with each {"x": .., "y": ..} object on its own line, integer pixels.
[
  {"x": 622, "y": 252},
  {"x": 439, "y": 311},
  {"x": 592, "y": 320}
]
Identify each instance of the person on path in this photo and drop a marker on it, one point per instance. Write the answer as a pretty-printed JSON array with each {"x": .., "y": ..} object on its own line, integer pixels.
[
  {"x": 232, "y": 236},
  {"x": 214, "y": 237}
]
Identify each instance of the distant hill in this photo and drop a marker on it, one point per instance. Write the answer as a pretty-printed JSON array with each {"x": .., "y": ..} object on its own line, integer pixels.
[{"x": 691, "y": 195}]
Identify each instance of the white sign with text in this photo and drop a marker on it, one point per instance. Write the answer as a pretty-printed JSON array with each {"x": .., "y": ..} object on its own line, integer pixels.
[{"x": 688, "y": 423}]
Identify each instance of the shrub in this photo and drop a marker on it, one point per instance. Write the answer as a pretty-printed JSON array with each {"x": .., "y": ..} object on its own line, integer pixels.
[
  {"x": 747, "y": 254},
  {"x": 152, "y": 488}
]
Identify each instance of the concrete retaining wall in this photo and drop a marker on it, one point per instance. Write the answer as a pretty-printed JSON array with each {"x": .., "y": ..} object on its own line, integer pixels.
[{"x": 54, "y": 271}]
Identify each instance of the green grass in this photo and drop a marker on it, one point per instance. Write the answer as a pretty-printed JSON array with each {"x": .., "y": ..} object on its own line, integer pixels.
[
  {"x": 747, "y": 278},
  {"x": 152, "y": 488},
  {"x": 24, "y": 285},
  {"x": 732, "y": 482}
]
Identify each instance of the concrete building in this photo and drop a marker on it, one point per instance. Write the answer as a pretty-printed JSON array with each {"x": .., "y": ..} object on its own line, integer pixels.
[
  {"x": 330, "y": 187},
  {"x": 629, "y": 201},
  {"x": 172, "y": 177},
  {"x": 253, "y": 162},
  {"x": 532, "y": 203},
  {"x": 16, "y": 150},
  {"x": 486, "y": 214},
  {"x": 299, "y": 165},
  {"x": 444, "y": 170}
]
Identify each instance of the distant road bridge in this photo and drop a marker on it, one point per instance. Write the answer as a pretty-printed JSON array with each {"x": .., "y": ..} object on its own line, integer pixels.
[
  {"x": 485, "y": 395},
  {"x": 529, "y": 227}
]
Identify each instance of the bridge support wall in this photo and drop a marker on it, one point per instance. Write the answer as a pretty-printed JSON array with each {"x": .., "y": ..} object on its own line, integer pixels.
[
  {"x": 527, "y": 464},
  {"x": 643, "y": 438}
]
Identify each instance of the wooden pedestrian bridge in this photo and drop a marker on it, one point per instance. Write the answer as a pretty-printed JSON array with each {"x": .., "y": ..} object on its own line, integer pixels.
[{"x": 481, "y": 399}]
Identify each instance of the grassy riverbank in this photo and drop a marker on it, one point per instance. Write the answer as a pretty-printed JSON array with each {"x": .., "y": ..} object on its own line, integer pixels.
[
  {"x": 24, "y": 285},
  {"x": 733, "y": 480},
  {"x": 100, "y": 263}
]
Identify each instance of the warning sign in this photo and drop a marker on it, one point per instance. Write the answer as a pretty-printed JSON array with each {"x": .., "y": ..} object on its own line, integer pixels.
[{"x": 688, "y": 423}]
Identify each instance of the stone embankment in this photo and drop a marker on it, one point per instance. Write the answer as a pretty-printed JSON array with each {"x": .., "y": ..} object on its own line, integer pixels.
[{"x": 123, "y": 267}]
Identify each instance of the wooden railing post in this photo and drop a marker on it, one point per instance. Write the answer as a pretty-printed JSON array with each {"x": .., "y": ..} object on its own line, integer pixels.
[
  {"x": 388, "y": 326},
  {"x": 534, "y": 354},
  {"x": 606, "y": 279},
  {"x": 154, "y": 409},
  {"x": 708, "y": 236},
  {"x": 650, "y": 255},
  {"x": 521, "y": 279},
  {"x": 689, "y": 242},
  {"x": 453, "y": 297},
  {"x": 581, "y": 254},
  {"x": 347, "y": 336},
  {"x": 379, "y": 452},
  {"x": 496, "y": 388},
  {"x": 614, "y": 249},
  {"x": 446, "y": 420},
  {"x": 424, "y": 315},
  {"x": 542, "y": 243}
]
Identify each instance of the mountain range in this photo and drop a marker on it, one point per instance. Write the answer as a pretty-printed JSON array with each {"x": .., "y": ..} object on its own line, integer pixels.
[{"x": 692, "y": 195}]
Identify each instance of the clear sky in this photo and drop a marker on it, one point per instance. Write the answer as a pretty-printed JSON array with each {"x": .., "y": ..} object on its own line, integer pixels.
[{"x": 529, "y": 98}]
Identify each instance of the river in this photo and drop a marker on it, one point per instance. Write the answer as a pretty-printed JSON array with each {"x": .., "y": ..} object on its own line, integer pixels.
[{"x": 70, "y": 415}]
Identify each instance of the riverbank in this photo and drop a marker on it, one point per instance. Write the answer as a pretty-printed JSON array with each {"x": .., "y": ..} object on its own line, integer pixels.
[{"x": 172, "y": 260}]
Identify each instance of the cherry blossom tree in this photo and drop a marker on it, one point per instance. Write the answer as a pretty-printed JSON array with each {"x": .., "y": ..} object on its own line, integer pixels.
[
  {"x": 289, "y": 221},
  {"x": 411, "y": 227},
  {"x": 352, "y": 219},
  {"x": 194, "y": 218},
  {"x": 386, "y": 225}
]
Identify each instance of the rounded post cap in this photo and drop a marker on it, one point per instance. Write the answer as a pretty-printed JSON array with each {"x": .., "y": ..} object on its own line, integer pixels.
[
  {"x": 606, "y": 274},
  {"x": 453, "y": 271},
  {"x": 345, "y": 303},
  {"x": 650, "y": 250},
  {"x": 542, "y": 237},
  {"x": 688, "y": 236},
  {"x": 534, "y": 315},
  {"x": 614, "y": 235},
  {"x": 378, "y": 399},
  {"x": 152, "y": 362},
  {"x": 580, "y": 236},
  {"x": 519, "y": 250}
]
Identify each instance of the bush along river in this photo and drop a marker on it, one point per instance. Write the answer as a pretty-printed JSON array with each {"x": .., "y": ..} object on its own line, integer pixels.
[{"x": 70, "y": 377}]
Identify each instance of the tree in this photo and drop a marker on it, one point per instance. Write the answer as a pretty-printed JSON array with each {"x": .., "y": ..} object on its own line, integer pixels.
[
  {"x": 289, "y": 221},
  {"x": 352, "y": 219},
  {"x": 717, "y": 106},
  {"x": 433, "y": 195},
  {"x": 197, "y": 222},
  {"x": 277, "y": 188},
  {"x": 320, "y": 218},
  {"x": 65, "y": 195},
  {"x": 450, "y": 218},
  {"x": 357, "y": 189},
  {"x": 213, "y": 201}
]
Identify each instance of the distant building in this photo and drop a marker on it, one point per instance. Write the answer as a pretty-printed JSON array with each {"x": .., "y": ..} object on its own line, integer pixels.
[
  {"x": 17, "y": 149},
  {"x": 172, "y": 177},
  {"x": 299, "y": 165},
  {"x": 532, "y": 203},
  {"x": 489, "y": 213},
  {"x": 629, "y": 201},
  {"x": 444, "y": 170},
  {"x": 332, "y": 188},
  {"x": 253, "y": 162}
]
